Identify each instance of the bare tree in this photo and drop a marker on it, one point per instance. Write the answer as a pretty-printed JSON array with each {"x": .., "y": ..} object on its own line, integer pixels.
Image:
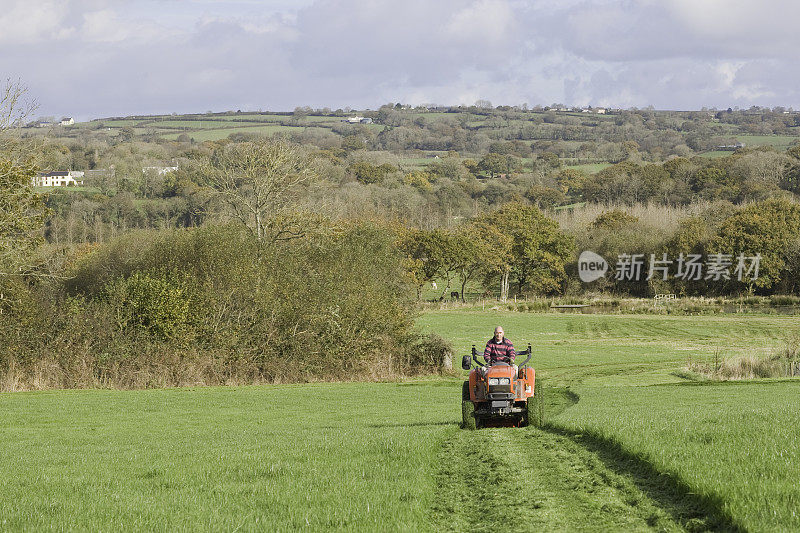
[
  {"x": 261, "y": 181},
  {"x": 22, "y": 211},
  {"x": 14, "y": 108}
]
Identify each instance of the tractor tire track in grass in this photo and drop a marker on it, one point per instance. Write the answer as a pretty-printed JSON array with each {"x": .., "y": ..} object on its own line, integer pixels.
[{"x": 531, "y": 479}]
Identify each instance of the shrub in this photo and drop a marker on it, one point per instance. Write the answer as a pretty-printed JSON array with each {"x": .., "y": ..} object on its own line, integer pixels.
[
  {"x": 786, "y": 299},
  {"x": 213, "y": 306},
  {"x": 427, "y": 353},
  {"x": 158, "y": 305}
]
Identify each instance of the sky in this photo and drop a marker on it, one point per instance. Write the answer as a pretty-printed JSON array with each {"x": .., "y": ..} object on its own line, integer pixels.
[{"x": 104, "y": 58}]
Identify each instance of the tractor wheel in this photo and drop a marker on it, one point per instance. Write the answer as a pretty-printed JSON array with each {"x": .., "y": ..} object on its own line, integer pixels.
[
  {"x": 467, "y": 409},
  {"x": 525, "y": 420},
  {"x": 535, "y": 414}
]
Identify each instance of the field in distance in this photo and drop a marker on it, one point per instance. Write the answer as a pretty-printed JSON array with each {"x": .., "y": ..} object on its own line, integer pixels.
[{"x": 629, "y": 444}]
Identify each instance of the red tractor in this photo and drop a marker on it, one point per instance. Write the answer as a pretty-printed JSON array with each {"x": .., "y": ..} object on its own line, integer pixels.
[{"x": 499, "y": 396}]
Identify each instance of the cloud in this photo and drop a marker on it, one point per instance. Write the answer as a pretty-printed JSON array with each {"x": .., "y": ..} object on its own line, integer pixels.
[
  {"x": 104, "y": 57},
  {"x": 26, "y": 23}
]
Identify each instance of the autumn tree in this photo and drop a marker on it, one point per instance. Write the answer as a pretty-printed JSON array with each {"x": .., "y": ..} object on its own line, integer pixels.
[
  {"x": 771, "y": 229},
  {"x": 429, "y": 257},
  {"x": 475, "y": 247},
  {"x": 530, "y": 248},
  {"x": 494, "y": 164}
]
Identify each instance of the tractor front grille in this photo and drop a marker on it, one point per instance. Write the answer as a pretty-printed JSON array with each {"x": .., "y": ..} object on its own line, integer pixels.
[{"x": 504, "y": 395}]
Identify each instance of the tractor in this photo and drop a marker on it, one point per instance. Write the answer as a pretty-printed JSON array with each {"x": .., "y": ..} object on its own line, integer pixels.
[{"x": 497, "y": 396}]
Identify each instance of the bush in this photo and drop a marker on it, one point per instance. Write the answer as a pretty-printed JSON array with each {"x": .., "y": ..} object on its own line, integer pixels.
[
  {"x": 787, "y": 299},
  {"x": 213, "y": 306},
  {"x": 427, "y": 353},
  {"x": 159, "y": 305}
]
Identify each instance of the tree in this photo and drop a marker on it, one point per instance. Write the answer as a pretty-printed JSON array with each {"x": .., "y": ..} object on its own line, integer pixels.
[
  {"x": 418, "y": 179},
  {"x": 22, "y": 210},
  {"x": 22, "y": 216},
  {"x": 494, "y": 164},
  {"x": 533, "y": 251},
  {"x": 614, "y": 220},
  {"x": 427, "y": 255},
  {"x": 14, "y": 107},
  {"x": 570, "y": 180},
  {"x": 471, "y": 249},
  {"x": 499, "y": 260},
  {"x": 261, "y": 181},
  {"x": 791, "y": 178},
  {"x": 715, "y": 183},
  {"x": 770, "y": 228},
  {"x": 367, "y": 173}
]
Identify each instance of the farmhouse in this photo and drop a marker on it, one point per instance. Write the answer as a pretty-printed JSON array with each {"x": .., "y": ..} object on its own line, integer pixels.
[
  {"x": 61, "y": 178},
  {"x": 358, "y": 120},
  {"x": 67, "y": 121}
]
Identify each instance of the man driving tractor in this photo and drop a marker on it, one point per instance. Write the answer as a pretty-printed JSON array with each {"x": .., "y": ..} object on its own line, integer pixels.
[
  {"x": 499, "y": 349},
  {"x": 498, "y": 393}
]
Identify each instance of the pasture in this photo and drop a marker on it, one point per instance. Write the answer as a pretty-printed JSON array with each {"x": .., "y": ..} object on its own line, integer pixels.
[
  {"x": 221, "y": 133},
  {"x": 629, "y": 444},
  {"x": 591, "y": 168},
  {"x": 779, "y": 142}
]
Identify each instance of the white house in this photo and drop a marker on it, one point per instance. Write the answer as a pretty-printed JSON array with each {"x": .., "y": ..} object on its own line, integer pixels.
[
  {"x": 159, "y": 170},
  {"x": 358, "y": 120},
  {"x": 67, "y": 121},
  {"x": 61, "y": 178}
]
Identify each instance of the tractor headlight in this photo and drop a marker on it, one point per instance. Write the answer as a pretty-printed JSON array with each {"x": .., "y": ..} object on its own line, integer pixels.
[
  {"x": 493, "y": 381},
  {"x": 499, "y": 381},
  {"x": 505, "y": 381}
]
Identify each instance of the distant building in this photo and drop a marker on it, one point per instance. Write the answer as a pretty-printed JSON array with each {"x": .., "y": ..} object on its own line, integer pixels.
[
  {"x": 735, "y": 146},
  {"x": 358, "y": 120},
  {"x": 600, "y": 110},
  {"x": 61, "y": 178},
  {"x": 99, "y": 174},
  {"x": 159, "y": 170},
  {"x": 67, "y": 121}
]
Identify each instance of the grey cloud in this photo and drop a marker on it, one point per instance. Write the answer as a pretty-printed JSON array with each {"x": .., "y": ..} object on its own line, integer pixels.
[
  {"x": 631, "y": 31},
  {"x": 363, "y": 53}
]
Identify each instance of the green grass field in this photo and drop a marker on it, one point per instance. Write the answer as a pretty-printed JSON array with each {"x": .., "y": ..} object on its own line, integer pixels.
[
  {"x": 222, "y": 133},
  {"x": 591, "y": 168},
  {"x": 255, "y": 117},
  {"x": 629, "y": 444},
  {"x": 281, "y": 458},
  {"x": 779, "y": 142}
]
